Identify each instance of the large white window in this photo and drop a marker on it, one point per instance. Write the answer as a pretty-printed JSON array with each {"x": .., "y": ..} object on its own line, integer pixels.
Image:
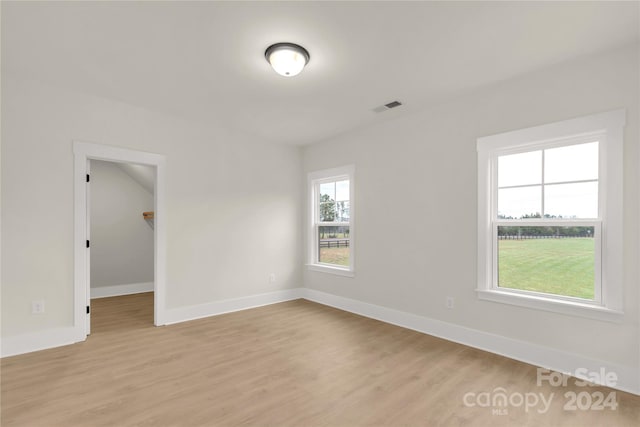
[
  {"x": 550, "y": 216},
  {"x": 331, "y": 231}
]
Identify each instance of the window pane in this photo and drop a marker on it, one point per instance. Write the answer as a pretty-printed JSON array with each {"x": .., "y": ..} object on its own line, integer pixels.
[
  {"x": 342, "y": 191},
  {"x": 571, "y": 200},
  {"x": 328, "y": 191},
  {"x": 552, "y": 260},
  {"x": 342, "y": 212},
  {"x": 520, "y": 169},
  {"x": 523, "y": 202},
  {"x": 571, "y": 163},
  {"x": 327, "y": 212},
  {"x": 333, "y": 245}
]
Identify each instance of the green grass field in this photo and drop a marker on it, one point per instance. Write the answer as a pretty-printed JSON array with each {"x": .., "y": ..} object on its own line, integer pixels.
[
  {"x": 554, "y": 266},
  {"x": 339, "y": 256}
]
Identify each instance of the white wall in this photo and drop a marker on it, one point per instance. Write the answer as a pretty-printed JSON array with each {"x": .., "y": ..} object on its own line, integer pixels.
[
  {"x": 234, "y": 205},
  {"x": 232, "y": 215},
  {"x": 426, "y": 165},
  {"x": 121, "y": 240}
]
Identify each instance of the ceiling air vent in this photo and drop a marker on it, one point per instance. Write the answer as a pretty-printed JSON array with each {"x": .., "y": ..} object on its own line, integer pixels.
[{"x": 388, "y": 106}]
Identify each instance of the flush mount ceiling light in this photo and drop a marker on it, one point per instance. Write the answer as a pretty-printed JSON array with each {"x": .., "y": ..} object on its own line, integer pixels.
[{"x": 287, "y": 59}]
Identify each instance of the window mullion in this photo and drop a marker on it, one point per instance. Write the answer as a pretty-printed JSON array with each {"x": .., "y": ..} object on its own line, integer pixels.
[
  {"x": 580, "y": 181},
  {"x": 494, "y": 250},
  {"x": 542, "y": 207}
]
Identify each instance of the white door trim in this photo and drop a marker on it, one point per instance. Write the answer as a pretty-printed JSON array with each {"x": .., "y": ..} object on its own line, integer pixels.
[
  {"x": 84, "y": 151},
  {"x": 87, "y": 273}
]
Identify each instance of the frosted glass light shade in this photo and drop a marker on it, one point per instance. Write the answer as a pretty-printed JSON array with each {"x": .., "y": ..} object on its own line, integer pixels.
[{"x": 287, "y": 59}]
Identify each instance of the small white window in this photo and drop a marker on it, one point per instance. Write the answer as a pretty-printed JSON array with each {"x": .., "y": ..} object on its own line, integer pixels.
[
  {"x": 331, "y": 231},
  {"x": 550, "y": 216}
]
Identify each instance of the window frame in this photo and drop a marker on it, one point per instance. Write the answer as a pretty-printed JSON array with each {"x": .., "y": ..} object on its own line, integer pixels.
[
  {"x": 607, "y": 128},
  {"x": 315, "y": 179}
]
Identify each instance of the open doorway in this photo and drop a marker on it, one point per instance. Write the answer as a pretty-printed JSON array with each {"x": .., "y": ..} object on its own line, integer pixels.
[
  {"x": 121, "y": 229},
  {"x": 84, "y": 155}
]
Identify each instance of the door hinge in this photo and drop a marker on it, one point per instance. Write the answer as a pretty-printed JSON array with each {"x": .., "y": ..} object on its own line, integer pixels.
[
  {"x": 87, "y": 243},
  {"x": 88, "y": 179},
  {"x": 88, "y": 309}
]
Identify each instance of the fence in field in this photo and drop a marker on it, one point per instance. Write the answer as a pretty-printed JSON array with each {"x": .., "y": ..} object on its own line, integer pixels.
[
  {"x": 516, "y": 237},
  {"x": 334, "y": 243}
]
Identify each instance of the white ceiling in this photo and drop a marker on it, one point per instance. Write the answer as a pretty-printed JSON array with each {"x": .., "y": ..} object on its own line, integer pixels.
[{"x": 204, "y": 60}]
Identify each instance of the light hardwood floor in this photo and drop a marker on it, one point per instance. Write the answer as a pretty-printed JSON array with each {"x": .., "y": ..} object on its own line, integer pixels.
[{"x": 291, "y": 364}]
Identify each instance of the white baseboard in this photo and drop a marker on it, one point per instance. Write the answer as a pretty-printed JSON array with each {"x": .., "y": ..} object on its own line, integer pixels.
[
  {"x": 50, "y": 338},
  {"x": 560, "y": 361},
  {"x": 41, "y": 340},
  {"x": 556, "y": 360},
  {"x": 118, "y": 290},
  {"x": 183, "y": 314}
]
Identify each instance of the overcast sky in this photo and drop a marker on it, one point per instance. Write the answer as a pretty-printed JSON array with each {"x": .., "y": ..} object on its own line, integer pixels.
[{"x": 564, "y": 169}]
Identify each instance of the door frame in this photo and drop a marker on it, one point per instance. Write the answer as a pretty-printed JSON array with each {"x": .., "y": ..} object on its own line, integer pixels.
[{"x": 83, "y": 152}]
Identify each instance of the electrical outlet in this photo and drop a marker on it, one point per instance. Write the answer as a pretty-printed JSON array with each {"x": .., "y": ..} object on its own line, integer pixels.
[
  {"x": 449, "y": 302},
  {"x": 37, "y": 307},
  {"x": 272, "y": 278}
]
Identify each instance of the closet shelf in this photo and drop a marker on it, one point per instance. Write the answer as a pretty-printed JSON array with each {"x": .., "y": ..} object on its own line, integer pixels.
[{"x": 148, "y": 217}]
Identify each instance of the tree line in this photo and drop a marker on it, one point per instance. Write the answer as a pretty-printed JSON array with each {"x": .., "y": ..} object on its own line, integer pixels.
[
  {"x": 542, "y": 230},
  {"x": 331, "y": 211}
]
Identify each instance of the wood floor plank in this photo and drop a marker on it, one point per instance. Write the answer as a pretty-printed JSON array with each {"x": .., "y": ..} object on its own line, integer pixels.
[{"x": 291, "y": 364}]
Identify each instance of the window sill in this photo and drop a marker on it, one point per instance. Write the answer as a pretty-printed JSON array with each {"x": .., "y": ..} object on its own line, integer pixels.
[
  {"x": 331, "y": 270},
  {"x": 536, "y": 302}
]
